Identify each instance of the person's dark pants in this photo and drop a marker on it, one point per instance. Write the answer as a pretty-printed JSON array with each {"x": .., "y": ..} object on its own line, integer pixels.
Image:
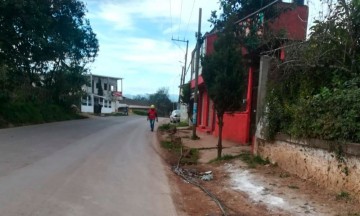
[{"x": 152, "y": 123}]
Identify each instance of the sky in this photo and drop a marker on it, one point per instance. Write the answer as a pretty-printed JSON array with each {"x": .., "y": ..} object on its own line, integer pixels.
[{"x": 135, "y": 39}]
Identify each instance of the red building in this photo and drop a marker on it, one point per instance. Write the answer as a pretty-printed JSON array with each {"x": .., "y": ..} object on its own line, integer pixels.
[{"x": 240, "y": 126}]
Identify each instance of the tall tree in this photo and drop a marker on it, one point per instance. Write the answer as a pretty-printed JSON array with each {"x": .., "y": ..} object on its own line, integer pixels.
[
  {"x": 185, "y": 97},
  {"x": 223, "y": 73},
  {"x": 250, "y": 31},
  {"x": 41, "y": 42},
  {"x": 161, "y": 101},
  {"x": 224, "y": 70}
]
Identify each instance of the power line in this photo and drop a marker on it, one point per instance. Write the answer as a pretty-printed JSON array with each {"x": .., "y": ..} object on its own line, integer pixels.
[
  {"x": 180, "y": 17},
  {"x": 187, "y": 27},
  {"x": 256, "y": 12},
  {"x": 171, "y": 20}
]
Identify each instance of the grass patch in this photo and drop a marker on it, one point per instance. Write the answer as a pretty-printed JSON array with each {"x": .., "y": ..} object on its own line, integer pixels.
[
  {"x": 166, "y": 127},
  {"x": 224, "y": 158},
  {"x": 191, "y": 158},
  {"x": 284, "y": 175},
  {"x": 343, "y": 195},
  {"x": 182, "y": 124},
  {"x": 293, "y": 187},
  {"x": 253, "y": 161},
  {"x": 140, "y": 112},
  {"x": 115, "y": 114},
  {"x": 170, "y": 146}
]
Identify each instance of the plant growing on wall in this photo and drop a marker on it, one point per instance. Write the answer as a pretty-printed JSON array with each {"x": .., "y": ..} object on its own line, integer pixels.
[{"x": 317, "y": 87}]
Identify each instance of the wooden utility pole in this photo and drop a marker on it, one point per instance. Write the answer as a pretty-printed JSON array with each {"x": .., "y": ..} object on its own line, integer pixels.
[
  {"x": 198, "y": 45},
  {"x": 183, "y": 71}
]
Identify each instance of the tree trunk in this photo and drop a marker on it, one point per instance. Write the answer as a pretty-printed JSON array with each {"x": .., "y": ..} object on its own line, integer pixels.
[{"x": 219, "y": 145}]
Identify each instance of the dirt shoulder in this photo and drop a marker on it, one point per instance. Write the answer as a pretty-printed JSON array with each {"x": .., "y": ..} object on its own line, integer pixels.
[{"x": 250, "y": 188}]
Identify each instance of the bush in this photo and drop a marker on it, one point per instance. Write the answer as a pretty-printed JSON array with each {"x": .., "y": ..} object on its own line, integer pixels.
[
  {"x": 166, "y": 127},
  {"x": 20, "y": 113},
  {"x": 140, "y": 112}
]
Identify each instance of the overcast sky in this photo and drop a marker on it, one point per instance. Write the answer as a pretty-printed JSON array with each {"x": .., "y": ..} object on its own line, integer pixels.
[{"x": 135, "y": 39}]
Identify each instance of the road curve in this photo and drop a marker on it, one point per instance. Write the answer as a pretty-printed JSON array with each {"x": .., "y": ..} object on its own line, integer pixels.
[{"x": 102, "y": 166}]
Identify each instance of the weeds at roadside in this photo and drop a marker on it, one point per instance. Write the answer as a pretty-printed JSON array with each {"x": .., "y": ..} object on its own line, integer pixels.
[
  {"x": 182, "y": 124},
  {"x": 248, "y": 158},
  {"x": 253, "y": 161},
  {"x": 284, "y": 175},
  {"x": 343, "y": 195},
  {"x": 190, "y": 156},
  {"x": 293, "y": 187},
  {"x": 225, "y": 157},
  {"x": 166, "y": 127}
]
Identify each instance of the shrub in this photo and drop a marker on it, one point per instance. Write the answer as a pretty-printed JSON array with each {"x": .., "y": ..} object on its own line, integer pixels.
[{"x": 140, "y": 112}]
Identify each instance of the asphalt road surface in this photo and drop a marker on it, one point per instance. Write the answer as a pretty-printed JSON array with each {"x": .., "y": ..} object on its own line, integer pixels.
[{"x": 104, "y": 166}]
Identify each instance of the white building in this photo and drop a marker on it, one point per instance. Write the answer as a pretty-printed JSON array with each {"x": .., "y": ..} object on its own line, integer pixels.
[{"x": 104, "y": 91}]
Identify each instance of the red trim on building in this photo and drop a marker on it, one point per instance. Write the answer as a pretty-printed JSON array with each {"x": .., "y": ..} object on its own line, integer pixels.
[{"x": 237, "y": 125}]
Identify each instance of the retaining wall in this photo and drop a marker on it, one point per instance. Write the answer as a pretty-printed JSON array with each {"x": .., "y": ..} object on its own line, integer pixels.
[{"x": 317, "y": 161}]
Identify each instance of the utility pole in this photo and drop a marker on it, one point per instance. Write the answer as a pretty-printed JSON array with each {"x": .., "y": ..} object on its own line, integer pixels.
[
  {"x": 198, "y": 45},
  {"x": 181, "y": 79},
  {"x": 183, "y": 71}
]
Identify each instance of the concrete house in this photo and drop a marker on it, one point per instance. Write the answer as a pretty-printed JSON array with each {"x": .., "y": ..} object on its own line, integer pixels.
[
  {"x": 240, "y": 126},
  {"x": 103, "y": 91}
]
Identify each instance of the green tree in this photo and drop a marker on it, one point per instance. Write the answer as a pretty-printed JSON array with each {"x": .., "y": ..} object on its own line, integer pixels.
[
  {"x": 185, "y": 97},
  {"x": 317, "y": 87},
  {"x": 224, "y": 70},
  {"x": 223, "y": 73},
  {"x": 247, "y": 31},
  {"x": 185, "y": 93},
  {"x": 161, "y": 101},
  {"x": 43, "y": 43},
  {"x": 141, "y": 98}
]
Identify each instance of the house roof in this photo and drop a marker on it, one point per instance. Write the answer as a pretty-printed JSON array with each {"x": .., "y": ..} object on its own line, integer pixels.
[
  {"x": 132, "y": 102},
  {"x": 95, "y": 75}
]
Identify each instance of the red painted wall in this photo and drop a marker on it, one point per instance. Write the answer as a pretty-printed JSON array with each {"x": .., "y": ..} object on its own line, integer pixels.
[
  {"x": 237, "y": 125},
  {"x": 293, "y": 21},
  {"x": 200, "y": 81},
  {"x": 210, "y": 39}
]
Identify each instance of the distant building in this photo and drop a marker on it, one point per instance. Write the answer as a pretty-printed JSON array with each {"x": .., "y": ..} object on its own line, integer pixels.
[{"x": 101, "y": 91}]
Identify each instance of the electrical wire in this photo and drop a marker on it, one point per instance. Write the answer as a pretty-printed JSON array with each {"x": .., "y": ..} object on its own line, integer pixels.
[
  {"x": 171, "y": 20},
  {"x": 187, "y": 27},
  {"x": 180, "y": 17}
]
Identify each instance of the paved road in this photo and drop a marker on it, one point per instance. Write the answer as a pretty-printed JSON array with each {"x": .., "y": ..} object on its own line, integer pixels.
[{"x": 93, "y": 167}]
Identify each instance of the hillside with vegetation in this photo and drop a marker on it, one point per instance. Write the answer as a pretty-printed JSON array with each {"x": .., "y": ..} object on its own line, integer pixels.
[{"x": 44, "y": 50}]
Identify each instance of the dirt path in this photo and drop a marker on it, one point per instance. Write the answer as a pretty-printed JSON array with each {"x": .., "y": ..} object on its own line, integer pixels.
[{"x": 245, "y": 190}]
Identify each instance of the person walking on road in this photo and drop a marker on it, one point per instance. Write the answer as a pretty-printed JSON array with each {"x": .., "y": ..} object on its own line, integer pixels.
[{"x": 152, "y": 116}]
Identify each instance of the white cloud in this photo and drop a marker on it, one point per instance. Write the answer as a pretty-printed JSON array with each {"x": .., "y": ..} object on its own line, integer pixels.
[{"x": 135, "y": 40}]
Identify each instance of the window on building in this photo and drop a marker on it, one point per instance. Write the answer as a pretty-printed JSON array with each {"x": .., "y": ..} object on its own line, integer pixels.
[
  {"x": 111, "y": 88},
  {"x": 109, "y": 104},
  {"x": 89, "y": 100},
  {"x": 84, "y": 100},
  {"x": 105, "y": 86},
  {"x": 105, "y": 103}
]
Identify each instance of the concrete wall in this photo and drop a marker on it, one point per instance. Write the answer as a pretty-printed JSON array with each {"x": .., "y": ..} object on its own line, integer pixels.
[{"x": 312, "y": 160}]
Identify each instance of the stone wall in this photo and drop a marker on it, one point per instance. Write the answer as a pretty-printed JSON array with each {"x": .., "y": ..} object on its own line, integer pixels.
[{"x": 317, "y": 161}]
